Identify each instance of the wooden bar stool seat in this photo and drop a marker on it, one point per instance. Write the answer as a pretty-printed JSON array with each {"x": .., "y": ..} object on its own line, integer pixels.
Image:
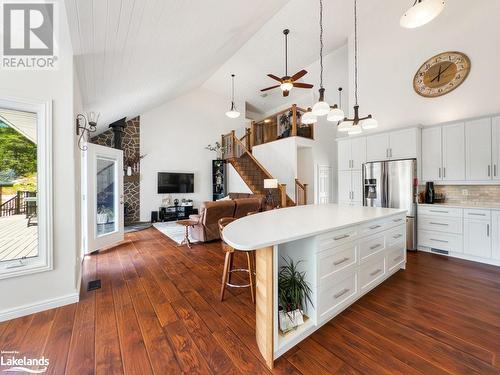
[{"x": 228, "y": 265}]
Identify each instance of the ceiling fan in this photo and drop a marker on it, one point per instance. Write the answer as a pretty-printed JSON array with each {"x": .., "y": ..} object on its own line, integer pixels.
[{"x": 287, "y": 82}]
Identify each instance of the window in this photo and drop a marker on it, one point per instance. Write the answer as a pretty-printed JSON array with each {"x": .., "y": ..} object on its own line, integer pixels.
[{"x": 25, "y": 187}]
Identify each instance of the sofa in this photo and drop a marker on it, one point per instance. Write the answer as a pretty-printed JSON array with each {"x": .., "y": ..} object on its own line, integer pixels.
[{"x": 207, "y": 228}]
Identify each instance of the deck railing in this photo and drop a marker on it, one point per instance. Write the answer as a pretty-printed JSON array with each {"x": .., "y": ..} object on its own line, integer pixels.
[{"x": 17, "y": 205}]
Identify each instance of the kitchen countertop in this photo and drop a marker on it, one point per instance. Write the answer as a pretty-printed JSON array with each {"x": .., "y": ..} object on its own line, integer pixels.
[
  {"x": 479, "y": 205},
  {"x": 293, "y": 223}
]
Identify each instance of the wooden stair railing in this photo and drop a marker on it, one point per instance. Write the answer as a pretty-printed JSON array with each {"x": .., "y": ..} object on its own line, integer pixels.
[
  {"x": 250, "y": 169},
  {"x": 300, "y": 193}
]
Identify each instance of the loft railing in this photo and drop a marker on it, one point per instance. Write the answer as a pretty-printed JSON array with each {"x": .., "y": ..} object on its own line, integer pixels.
[
  {"x": 300, "y": 193},
  {"x": 16, "y": 205}
]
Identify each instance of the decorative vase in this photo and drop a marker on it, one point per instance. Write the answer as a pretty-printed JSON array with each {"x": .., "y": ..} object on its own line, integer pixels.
[{"x": 290, "y": 320}]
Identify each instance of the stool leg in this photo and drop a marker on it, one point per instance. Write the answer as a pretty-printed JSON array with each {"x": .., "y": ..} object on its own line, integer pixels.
[
  {"x": 250, "y": 275},
  {"x": 224, "y": 275},
  {"x": 231, "y": 261}
]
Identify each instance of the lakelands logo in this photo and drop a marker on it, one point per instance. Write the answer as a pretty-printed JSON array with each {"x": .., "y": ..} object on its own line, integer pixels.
[
  {"x": 29, "y": 34},
  {"x": 14, "y": 363}
]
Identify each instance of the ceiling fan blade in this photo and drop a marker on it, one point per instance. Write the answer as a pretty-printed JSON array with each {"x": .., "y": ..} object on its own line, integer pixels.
[
  {"x": 270, "y": 88},
  {"x": 285, "y": 93},
  {"x": 303, "y": 85},
  {"x": 299, "y": 75},
  {"x": 274, "y": 77}
]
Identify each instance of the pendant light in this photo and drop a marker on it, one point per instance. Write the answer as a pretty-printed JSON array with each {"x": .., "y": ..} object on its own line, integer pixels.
[
  {"x": 356, "y": 124},
  {"x": 421, "y": 12},
  {"x": 232, "y": 113},
  {"x": 336, "y": 114},
  {"x": 308, "y": 117}
]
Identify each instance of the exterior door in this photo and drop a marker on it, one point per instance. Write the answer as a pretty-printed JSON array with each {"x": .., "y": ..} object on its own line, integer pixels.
[
  {"x": 453, "y": 152},
  {"x": 478, "y": 149},
  {"x": 103, "y": 197},
  {"x": 324, "y": 183}
]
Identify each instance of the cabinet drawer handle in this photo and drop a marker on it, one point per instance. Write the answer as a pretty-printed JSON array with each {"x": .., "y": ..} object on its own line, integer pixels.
[
  {"x": 340, "y": 261},
  {"x": 440, "y": 211},
  {"x": 443, "y": 241},
  {"x": 341, "y": 237},
  {"x": 341, "y": 293},
  {"x": 476, "y": 214},
  {"x": 397, "y": 236},
  {"x": 487, "y": 230},
  {"x": 374, "y": 227},
  {"x": 443, "y": 224},
  {"x": 376, "y": 272},
  {"x": 397, "y": 258},
  {"x": 375, "y": 246}
]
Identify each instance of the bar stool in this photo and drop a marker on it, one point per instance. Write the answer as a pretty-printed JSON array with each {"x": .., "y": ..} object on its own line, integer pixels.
[{"x": 228, "y": 264}]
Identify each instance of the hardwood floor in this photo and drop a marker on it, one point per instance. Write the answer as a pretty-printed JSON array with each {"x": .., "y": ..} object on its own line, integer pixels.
[{"x": 158, "y": 312}]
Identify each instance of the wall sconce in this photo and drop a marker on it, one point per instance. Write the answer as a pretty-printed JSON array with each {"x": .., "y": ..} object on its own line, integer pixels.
[{"x": 85, "y": 124}]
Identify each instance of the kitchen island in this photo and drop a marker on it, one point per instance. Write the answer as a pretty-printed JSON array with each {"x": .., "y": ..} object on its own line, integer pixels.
[{"x": 345, "y": 251}]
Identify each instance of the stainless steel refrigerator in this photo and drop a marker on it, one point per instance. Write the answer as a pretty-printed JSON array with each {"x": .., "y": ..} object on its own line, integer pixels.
[{"x": 393, "y": 184}]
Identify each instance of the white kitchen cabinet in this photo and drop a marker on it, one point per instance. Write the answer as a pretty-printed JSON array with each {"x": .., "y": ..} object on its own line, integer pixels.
[
  {"x": 495, "y": 143},
  {"x": 350, "y": 187},
  {"x": 495, "y": 234},
  {"x": 357, "y": 187},
  {"x": 453, "y": 152},
  {"x": 431, "y": 154},
  {"x": 477, "y": 233},
  {"x": 403, "y": 144},
  {"x": 351, "y": 153},
  {"x": 377, "y": 147},
  {"x": 478, "y": 150}
]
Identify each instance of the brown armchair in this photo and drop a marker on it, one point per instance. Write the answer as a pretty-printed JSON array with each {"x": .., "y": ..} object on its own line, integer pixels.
[
  {"x": 246, "y": 205},
  {"x": 207, "y": 228}
]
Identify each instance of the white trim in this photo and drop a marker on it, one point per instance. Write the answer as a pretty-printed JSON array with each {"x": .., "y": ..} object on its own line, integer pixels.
[
  {"x": 38, "y": 306},
  {"x": 44, "y": 260},
  {"x": 471, "y": 258}
]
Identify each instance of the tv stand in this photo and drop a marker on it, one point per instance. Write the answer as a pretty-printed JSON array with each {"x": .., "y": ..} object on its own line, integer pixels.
[{"x": 173, "y": 213}]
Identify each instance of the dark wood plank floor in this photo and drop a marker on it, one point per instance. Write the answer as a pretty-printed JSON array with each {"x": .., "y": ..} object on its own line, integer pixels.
[{"x": 158, "y": 313}]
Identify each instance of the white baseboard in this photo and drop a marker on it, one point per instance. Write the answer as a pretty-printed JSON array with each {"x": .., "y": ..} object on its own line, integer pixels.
[
  {"x": 17, "y": 312},
  {"x": 491, "y": 262}
]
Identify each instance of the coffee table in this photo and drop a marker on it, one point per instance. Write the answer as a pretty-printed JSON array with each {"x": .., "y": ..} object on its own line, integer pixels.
[{"x": 187, "y": 223}]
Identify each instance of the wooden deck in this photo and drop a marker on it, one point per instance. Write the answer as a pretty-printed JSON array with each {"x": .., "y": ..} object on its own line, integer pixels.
[{"x": 16, "y": 239}]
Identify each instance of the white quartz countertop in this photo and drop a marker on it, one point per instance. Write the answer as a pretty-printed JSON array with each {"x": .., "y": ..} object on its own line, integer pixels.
[
  {"x": 478, "y": 205},
  {"x": 293, "y": 223}
]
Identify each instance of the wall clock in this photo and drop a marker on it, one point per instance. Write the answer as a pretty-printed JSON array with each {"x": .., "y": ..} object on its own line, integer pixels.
[{"x": 441, "y": 74}]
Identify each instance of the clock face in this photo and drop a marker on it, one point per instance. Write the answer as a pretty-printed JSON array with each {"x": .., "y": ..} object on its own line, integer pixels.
[{"x": 441, "y": 74}]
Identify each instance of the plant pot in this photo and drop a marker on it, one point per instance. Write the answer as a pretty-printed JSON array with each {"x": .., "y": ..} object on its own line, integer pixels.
[
  {"x": 290, "y": 320},
  {"x": 102, "y": 218}
]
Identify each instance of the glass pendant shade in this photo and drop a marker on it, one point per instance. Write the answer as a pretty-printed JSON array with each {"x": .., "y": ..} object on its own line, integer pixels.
[
  {"x": 233, "y": 113},
  {"x": 286, "y": 86},
  {"x": 369, "y": 123},
  {"x": 321, "y": 108},
  {"x": 309, "y": 118},
  {"x": 345, "y": 126},
  {"x": 422, "y": 12},
  {"x": 355, "y": 130},
  {"x": 335, "y": 115}
]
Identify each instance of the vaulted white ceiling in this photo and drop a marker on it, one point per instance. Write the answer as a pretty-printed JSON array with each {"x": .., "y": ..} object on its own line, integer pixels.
[{"x": 132, "y": 55}]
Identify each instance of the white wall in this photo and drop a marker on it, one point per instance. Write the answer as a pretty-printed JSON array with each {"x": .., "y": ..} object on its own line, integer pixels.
[
  {"x": 57, "y": 86},
  {"x": 174, "y": 137},
  {"x": 389, "y": 56},
  {"x": 235, "y": 183},
  {"x": 305, "y": 170}
]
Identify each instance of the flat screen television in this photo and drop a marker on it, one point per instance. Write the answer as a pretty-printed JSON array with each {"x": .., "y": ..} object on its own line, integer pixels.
[{"x": 169, "y": 182}]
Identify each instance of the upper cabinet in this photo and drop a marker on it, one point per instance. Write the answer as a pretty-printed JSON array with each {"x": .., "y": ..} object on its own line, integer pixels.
[
  {"x": 401, "y": 144},
  {"x": 453, "y": 152},
  {"x": 432, "y": 157},
  {"x": 478, "y": 150},
  {"x": 495, "y": 149},
  {"x": 351, "y": 153}
]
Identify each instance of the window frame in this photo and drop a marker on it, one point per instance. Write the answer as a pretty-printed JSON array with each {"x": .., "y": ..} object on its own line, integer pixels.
[{"x": 44, "y": 261}]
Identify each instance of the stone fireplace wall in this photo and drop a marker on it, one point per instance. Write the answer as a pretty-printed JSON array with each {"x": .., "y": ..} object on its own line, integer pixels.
[{"x": 131, "y": 150}]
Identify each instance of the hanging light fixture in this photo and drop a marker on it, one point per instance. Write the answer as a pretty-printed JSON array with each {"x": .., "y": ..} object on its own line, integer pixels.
[
  {"x": 232, "y": 113},
  {"x": 421, "y": 12},
  {"x": 308, "y": 117},
  {"x": 356, "y": 124},
  {"x": 336, "y": 114}
]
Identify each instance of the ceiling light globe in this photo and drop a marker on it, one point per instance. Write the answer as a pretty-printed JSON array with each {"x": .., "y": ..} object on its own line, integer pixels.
[
  {"x": 321, "y": 108},
  {"x": 421, "y": 13},
  {"x": 345, "y": 126},
  {"x": 335, "y": 115},
  {"x": 286, "y": 86},
  {"x": 355, "y": 130},
  {"x": 309, "y": 118},
  {"x": 369, "y": 123},
  {"x": 233, "y": 113}
]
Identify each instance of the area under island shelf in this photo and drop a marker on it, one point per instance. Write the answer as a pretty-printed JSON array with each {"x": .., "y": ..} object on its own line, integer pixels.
[{"x": 345, "y": 252}]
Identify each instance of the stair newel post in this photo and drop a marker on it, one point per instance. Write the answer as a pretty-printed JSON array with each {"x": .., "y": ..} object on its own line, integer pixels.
[
  {"x": 282, "y": 190},
  {"x": 294, "y": 120},
  {"x": 305, "y": 193},
  {"x": 252, "y": 135},
  {"x": 234, "y": 144}
]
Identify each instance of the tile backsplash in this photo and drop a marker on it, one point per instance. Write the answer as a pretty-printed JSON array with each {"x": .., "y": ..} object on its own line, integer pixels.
[{"x": 468, "y": 193}]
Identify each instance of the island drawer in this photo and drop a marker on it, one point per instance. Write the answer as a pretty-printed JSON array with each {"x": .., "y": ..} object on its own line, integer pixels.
[
  {"x": 441, "y": 241},
  {"x": 395, "y": 257},
  {"x": 440, "y": 211},
  {"x": 395, "y": 235},
  {"x": 477, "y": 214},
  {"x": 343, "y": 289},
  {"x": 370, "y": 246},
  {"x": 371, "y": 272},
  {"x": 332, "y": 261},
  {"x": 336, "y": 238},
  {"x": 440, "y": 224}
]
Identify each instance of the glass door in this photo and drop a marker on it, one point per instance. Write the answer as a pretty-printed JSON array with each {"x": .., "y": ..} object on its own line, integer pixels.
[{"x": 103, "y": 183}]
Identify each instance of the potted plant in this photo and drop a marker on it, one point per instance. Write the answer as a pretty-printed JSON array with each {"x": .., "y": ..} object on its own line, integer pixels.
[
  {"x": 217, "y": 148},
  {"x": 294, "y": 293}
]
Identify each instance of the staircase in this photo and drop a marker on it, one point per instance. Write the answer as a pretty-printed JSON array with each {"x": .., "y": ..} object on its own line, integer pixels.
[{"x": 250, "y": 170}]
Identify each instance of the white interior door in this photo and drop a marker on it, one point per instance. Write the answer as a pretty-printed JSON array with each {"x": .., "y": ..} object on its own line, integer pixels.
[
  {"x": 324, "y": 184},
  {"x": 103, "y": 197}
]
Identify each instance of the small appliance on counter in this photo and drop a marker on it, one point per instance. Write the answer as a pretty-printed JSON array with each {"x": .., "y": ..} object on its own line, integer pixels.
[{"x": 429, "y": 192}]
